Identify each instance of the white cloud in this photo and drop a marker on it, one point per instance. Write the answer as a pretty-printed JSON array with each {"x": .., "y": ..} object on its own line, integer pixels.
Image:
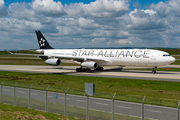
[
  {"x": 102, "y": 23},
  {"x": 1, "y": 2},
  {"x": 124, "y": 41},
  {"x": 175, "y": 6},
  {"x": 145, "y": 20},
  {"x": 99, "y": 8},
  {"x": 107, "y": 8},
  {"x": 162, "y": 8},
  {"x": 3, "y": 11},
  {"x": 21, "y": 11},
  {"x": 150, "y": 12},
  {"x": 48, "y": 7}
]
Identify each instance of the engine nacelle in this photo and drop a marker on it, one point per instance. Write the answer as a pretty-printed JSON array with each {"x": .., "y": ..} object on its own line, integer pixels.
[
  {"x": 53, "y": 61},
  {"x": 90, "y": 65},
  {"x": 40, "y": 51}
]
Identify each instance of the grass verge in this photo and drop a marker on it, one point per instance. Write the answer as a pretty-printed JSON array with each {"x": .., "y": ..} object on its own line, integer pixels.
[{"x": 8, "y": 112}]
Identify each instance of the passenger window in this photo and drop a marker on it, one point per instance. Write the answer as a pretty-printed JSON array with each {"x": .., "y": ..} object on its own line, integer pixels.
[{"x": 166, "y": 55}]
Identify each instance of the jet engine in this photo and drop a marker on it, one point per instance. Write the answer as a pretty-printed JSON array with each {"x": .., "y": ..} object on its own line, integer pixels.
[
  {"x": 90, "y": 65},
  {"x": 53, "y": 61}
]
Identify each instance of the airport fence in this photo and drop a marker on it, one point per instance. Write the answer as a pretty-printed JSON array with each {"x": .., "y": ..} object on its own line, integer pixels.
[{"x": 87, "y": 107}]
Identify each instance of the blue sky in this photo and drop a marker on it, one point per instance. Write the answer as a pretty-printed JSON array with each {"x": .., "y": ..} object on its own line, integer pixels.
[
  {"x": 63, "y": 1},
  {"x": 97, "y": 23},
  {"x": 87, "y": 1}
]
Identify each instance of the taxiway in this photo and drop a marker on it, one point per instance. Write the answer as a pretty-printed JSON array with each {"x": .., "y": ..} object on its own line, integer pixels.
[{"x": 111, "y": 72}]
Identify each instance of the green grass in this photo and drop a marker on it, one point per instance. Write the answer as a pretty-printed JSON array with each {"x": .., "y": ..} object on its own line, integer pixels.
[
  {"x": 176, "y": 56},
  {"x": 177, "y": 62},
  {"x": 126, "y": 89},
  {"x": 8, "y": 112}
]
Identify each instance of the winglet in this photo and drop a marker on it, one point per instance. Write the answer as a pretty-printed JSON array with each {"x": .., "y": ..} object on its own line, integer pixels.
[{"x": 8, "y": 51}]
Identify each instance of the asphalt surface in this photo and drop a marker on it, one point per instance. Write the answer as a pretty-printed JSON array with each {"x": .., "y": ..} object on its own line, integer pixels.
[
  {"x": 111, "y": 72},
  {"x": 98, "y": 104}
]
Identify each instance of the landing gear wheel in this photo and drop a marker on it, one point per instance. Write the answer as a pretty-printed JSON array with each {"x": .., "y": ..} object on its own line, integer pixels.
[
  {"x": 99, "y": 68},
  {"x": 78, "y": 69},
  {"x": 154, "y": 71},
  {"x": 82, "y": 69}
]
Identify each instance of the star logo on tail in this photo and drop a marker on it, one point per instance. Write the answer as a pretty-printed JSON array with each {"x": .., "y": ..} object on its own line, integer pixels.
[{"x": 42, "y": 42}]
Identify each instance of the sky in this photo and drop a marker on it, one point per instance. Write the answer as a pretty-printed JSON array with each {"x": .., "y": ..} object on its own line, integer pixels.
[{"x": 90, "y": 23}]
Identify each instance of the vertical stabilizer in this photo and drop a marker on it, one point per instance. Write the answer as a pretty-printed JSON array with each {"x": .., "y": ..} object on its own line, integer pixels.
[{"x": 43, "y": 43}]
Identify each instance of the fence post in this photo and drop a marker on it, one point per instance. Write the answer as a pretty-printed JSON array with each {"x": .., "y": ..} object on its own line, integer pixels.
[
  {"x": 46, "y": 107},
  {"x": 113, "y": 106},
  {"x": 178, "y": 111},
  {"x": 87, "y": 116},
  {"x": 15, "y": 94},
  {"x": 2, "y": 92},
  {"x": 143, "y": 108},
  {"x": 30, "y": 96},
  {"x": 65, "y": 103},
  {"x": 87, "y": 106}
]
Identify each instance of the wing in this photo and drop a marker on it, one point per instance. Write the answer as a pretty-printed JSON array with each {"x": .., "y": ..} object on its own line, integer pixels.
[
  {"x": 82, "y": 59},
  {"x": 38, "y": 55},
  {"x": 78, "y": 59}
]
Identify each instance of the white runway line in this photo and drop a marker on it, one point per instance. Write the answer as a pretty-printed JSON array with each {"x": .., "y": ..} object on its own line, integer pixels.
[
  {"x": 102, "y": 104},
  {"x": 50, "y": 96},
  {"x": 63, "y": 98},
  {"x": 81, "y": 101},
  {"x": 153, "y": 111},
  {"x": 124, "y": 107},
  {"x": 5, "y": 90},
  {"x": 33, "y": 94},
  {"x": 20, "y": 92}
]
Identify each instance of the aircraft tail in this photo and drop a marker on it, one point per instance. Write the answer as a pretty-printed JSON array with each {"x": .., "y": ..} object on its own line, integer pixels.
[{"x": 43, "y": 43}]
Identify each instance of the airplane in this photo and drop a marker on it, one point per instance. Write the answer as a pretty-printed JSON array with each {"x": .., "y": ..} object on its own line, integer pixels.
[{"x": 98, "y": 58}]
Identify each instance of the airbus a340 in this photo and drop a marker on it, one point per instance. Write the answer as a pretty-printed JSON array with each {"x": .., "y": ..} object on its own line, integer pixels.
[{"x": 97, "y": 58}]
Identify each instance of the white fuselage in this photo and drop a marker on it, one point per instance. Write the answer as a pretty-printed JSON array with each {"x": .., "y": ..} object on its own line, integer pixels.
[{"x": 115, "y": 57}]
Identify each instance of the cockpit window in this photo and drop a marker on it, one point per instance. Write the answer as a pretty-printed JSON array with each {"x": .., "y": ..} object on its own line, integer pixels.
[{"x": 165, "y": 55}]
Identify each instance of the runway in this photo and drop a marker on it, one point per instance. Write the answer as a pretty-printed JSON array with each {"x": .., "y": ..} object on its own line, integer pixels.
[{"x": 111, "y": 72}]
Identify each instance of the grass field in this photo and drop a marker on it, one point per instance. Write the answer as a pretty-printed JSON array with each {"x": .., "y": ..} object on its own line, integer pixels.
[
  {"x": 156, "y": 92},
  {"x": 8, "y": 112}
]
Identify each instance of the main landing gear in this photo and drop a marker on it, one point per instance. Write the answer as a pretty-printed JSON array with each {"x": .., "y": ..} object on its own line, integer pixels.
[
  {"x": 99, "y": 68},
  {"x": 82, "y": 69},
  {"x": 154, "y": 70},
  {"x": 87, "y": 69}
]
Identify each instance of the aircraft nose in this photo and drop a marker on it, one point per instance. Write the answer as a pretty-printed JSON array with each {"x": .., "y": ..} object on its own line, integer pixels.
[{"x": 172, "y": 59}]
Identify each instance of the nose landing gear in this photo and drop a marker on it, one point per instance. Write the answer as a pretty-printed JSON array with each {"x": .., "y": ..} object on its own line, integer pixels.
[{"x": 154, "y": 70}]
